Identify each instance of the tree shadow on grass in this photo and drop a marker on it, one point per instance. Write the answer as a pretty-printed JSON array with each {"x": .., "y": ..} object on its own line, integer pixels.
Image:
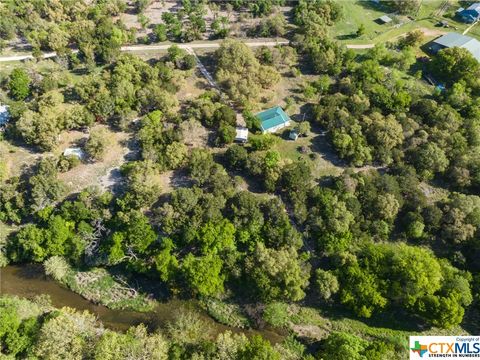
[
  {"x": 347, "y": 36},
  {"x": 471, "y": 319},
  {"x": 372, "y": 5},
  {"x": 395, "y": 319},
  {"x": 321, "y": 144}
]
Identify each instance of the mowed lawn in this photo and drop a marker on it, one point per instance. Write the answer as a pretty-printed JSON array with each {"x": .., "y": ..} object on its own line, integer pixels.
[
  {"x": 366, "y": 12},
  {"x": 355, "y": 14}
]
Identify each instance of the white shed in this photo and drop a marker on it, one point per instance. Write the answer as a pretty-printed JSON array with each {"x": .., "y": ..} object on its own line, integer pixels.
[
  {"x": 242, "y": 134},
  {"x": 78, "y": 152},
  {"x": 293, "y": 135}
]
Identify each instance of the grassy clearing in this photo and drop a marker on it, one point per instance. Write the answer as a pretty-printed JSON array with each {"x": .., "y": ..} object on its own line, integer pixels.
[
  {"x": 98, "y": 285},
  {"x": 17, "y": 158},
  {"x": 366, "y": 12},
  {"x": 356, "y": 13},
  {"x": 314, "y": 149}
]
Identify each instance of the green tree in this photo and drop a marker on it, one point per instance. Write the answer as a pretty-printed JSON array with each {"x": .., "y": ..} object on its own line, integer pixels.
[
  {"x": 303, "y": 128},
  {"x": 143, "y": 188},
  {"x": 226, "y": 134},
  {"x": 361, "y": 30},
  {"x": 220, "y": 27},
  {"x": 203, "y": 275},
  {"x": 361, "y": 291},
  {"x": 160, "y": 31},
  {"x": 68, "y": 335},
  {"x": 413, "y": 38},
  {"x": 455, "y": 64},
  {"x": 136, "y": 343},
  {"x": 258, "y": 348},
  {"x": 240, "y": 73},
  {"x": 236, "y": 156},
  {"x": 201, "y": 165},
  {"x": 296, "y": 176},
  {"x": 45, "y": 188},
  {"x": 97, "y": 144},
  {"x": 326, "y": 283},
  {"x": 19, "y": 84},
  {"x": 278, "y": 274},
  {"x": 134, "y": 236},
  {"x": 340, "y": 345},
  {"x": 216, "y": 238},
  {"x": 430, "y": 159}
]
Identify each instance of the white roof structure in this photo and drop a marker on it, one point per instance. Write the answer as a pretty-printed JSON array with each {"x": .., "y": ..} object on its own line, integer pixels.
[
  {"x": 385, "y": 19},
  {"x": 293, "y": 135},
  {"x": 78, "y": 152},
  {"x": 475, "y": 6},
  {"x": 450, "y": 40},
  {"x": 4, "y": 114},
  {"x": 242, "y": 134}
]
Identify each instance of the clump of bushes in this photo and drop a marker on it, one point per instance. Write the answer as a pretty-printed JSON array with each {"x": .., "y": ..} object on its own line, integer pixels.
[
  {"x": 97, "y": 285},
  {"x": 226, "y": 313}
]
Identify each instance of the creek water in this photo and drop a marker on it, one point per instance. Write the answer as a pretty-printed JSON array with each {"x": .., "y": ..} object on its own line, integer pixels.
[{"x": 30, "y": 280}]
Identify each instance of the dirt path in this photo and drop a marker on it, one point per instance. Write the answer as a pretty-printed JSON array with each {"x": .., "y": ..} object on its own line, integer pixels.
[
  {"x": 469, "y": 28},
  {"x": 360, "y": 46},
  {"x": 427, "y": 32},
  {"x": 213, "y": 84},
  {"x": 134, "y": 48}
]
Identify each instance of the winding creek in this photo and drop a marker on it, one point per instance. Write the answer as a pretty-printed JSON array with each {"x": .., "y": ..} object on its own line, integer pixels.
[{"x": 30, "y": 280}]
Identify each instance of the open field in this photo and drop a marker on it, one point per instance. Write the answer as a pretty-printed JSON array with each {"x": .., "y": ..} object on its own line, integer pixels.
[
  {"x": 314, "y": 149},
  {"x": 427, "y": 19}
]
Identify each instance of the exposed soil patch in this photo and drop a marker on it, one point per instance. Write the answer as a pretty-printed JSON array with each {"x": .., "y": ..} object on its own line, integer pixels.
[{"x": 105, "y": 173}]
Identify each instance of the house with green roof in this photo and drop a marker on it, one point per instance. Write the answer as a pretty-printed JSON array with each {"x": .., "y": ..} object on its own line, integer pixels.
[{"x": 273, "y": 119}]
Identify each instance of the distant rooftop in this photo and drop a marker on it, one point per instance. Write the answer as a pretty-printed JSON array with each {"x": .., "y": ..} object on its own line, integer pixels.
[
  {"x": 457, "y": 40},
  {"x": 4, "y": 114},
  {"x": 272, "y": 117},
  {"x": 470, "y": 14},
  {"x": 474, "y": 6},
  {"x": 385, "y": 19}
]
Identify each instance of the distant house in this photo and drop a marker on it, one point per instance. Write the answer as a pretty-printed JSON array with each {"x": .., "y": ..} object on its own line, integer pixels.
[
  {"x": 470, "y": 14},
  {"x": 384, "y": 19},
  {"x": 242, "y": 134},
  {"x": 4, "y": 115},
  {"x": 273, "y": 119},
  {"x": 77, "y": 152},
  {"x": 456, "y": 40}
]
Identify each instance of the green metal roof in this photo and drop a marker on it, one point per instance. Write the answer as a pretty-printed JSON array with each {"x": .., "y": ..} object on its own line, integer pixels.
[{"x": 272, "y": 117}]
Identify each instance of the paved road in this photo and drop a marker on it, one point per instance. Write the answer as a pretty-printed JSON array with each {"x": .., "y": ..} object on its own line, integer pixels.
[{"x": 135, "y": 48}]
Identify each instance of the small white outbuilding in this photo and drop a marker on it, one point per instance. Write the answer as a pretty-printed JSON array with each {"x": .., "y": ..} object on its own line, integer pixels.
[
  {"x": 242, "y": 134},
  {"x": 76, "y": 151}
]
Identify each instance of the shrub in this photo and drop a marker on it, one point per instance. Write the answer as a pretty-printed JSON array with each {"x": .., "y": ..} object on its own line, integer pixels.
[
  {"x": 58, "y": 268},
  {"x": 226, "y": 313},
  {"x": 276, "y": 314}
]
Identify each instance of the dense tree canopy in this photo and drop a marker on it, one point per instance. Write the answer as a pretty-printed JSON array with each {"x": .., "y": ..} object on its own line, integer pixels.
[{"x": 256, "y": 232}]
